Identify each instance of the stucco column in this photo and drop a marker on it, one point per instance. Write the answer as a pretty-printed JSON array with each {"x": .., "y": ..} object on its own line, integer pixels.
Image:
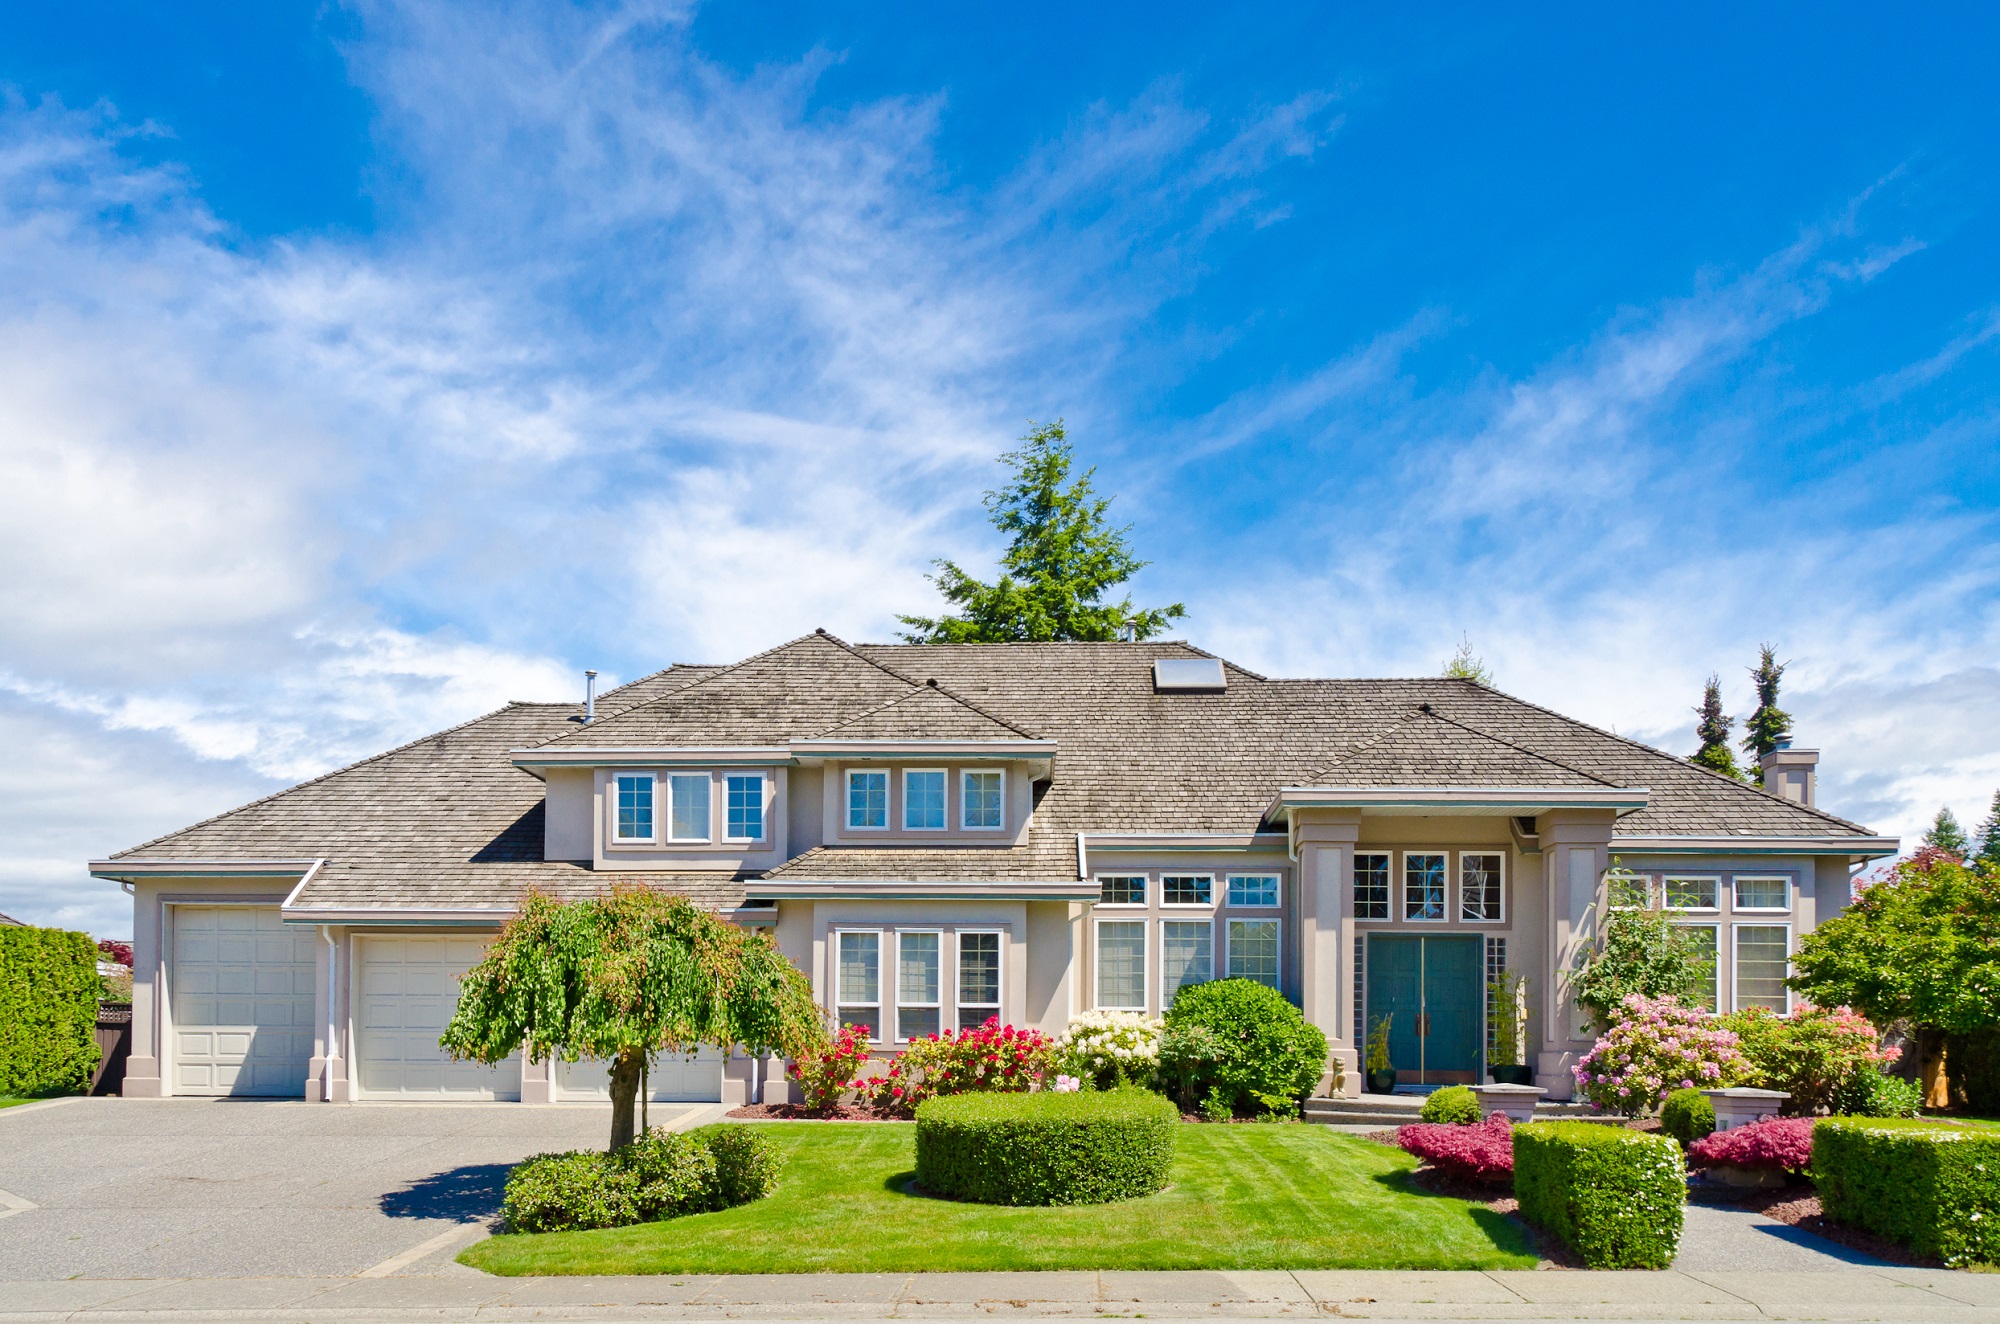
[
  {"x": 1576, "y": 852},
  {"x": 149, "y": 969},
  {"x": 1326, "y": 940}
]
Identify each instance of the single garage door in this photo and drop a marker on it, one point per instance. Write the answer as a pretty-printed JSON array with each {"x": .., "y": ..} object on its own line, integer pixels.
[
  {"x": 407, "y": 990},
  {"x": 241, "y": 986},
  {"x": 674, "y": 1079}
]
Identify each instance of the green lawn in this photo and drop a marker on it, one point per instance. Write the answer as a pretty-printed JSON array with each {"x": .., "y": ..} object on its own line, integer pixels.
[
  {"x": 1243, "y": 1197},
  {"x": 6, "y": 1102}
]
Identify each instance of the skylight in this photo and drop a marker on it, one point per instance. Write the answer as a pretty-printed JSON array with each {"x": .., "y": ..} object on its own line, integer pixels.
[{"x": 1183, "y": 674}]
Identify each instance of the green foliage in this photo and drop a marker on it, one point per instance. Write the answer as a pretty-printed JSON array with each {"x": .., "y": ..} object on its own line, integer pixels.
[
  {"x": 1508, "y": 996},
  {"x": 1769, "y": 726},
  {"x": 1190, "y": 1054},
  {"x": 1922, "y": 946},
  {"x": 1454, "y": 1105},
  {"x": 622, "y": 976},
  {"x": 1875, "y": 1094},
  {"x": 1055, "y": 572},
  {"x": 1972, "y": 1062},
  {"x": 1046, "y": 1148},
  {"x": 1378, "y": 1043},
  {"x": 1642, "y": 952},
  {"x": 1986, "y": 845},
  {"x": 747, "y": 1163},
  {"x": 1933, "y": 1187},
  {"x": 661, "y": 1175},
  {"x": 1945, "y": 834},
  {"x": 48, "y": 1010},
  {"x": 1713, "y": 731},
  {"x": 1812, "y": 1054},
  {"x": 1271, "y": 1057},
  {"x": 1687, "y": 1116},
  {"x": 1614, "y": 1196},
  {"x": 1465, "y": 665}
]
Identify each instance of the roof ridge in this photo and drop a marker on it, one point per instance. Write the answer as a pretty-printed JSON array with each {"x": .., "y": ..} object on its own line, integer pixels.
[
  {"x": 1518, "y": 748},
  {"x": 1091, "y": 643},
  {"x": 653, "y": 675},
  {"x": 324, "y": 776},
  {"x": 919, "y": 688}
]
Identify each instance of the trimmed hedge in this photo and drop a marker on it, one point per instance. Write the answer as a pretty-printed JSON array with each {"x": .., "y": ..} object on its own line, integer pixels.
[
  {"x": 1454, "y": 1105},
  {"x": 1040, "y": 1149},
  {"x": 48, "y": 1011},
  {"x": 1615, "y": 1196},
  {"x": 1931, "y": 1186},
  {"x": 1687, "y": 1116},
  {"x": 660, "y": 1175}
]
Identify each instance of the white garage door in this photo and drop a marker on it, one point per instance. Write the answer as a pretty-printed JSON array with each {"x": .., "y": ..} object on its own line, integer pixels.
[
  {"x": 673, "y": 1079},
  {"x": 407, "y": 990},
  {"x": 241, "y": 984}
]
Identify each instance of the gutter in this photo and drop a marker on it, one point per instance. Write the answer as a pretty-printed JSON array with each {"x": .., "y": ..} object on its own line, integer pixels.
[
  {"x": 1860, "y": 847},
  {"x": 132, "y": 871}
]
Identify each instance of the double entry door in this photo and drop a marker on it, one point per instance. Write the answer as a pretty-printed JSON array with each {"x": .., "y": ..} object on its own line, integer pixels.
[{"x": 1433, "y": 991}]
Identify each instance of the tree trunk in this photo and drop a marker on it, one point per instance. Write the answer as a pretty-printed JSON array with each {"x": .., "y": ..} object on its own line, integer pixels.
[
  {"x": 625, "y": 1073},
  {"x": 1930, "y": 1057}
]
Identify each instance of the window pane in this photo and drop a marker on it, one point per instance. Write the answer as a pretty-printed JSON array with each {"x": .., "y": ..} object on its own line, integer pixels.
[
  {"x": 917, "y": 968},
  {"x": 1704, "y": 935},
  {"x": 1121, "y": 965},
  {"x": 916, "y": 1022},
  {"x": 860, "y": 968},
  {"x": 635, "y": 808},
  {"x": 1628, "y": 891},
  {"x": 690, "y": 800},
  {"x": 1763, "y": 894},
  {"x": 1184, "y": 957},
  {"x": 1126, "y": 891},
  {"x": 982, "y": 799},
  {"x": 923, "y": 800},
  {"x": 1479, "y": 887},
  {"x": 1253, "y": 950},
  {"x": 1186, "y": 890},
  {"x": 1371, "y": 887},
  {"x": 1760, "y": 967},
  {"x": 1423, "y": 887},
  {"x": 1253, "y": 890},
  {"x": 746, "y": 808},
  {"x": 978, "y": 978},
  {"x": 1690, "y": 894},
  {"x": 868, "y": 799}
]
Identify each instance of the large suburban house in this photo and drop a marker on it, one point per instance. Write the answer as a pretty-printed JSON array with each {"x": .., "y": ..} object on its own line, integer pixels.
[{"x": 940, "y": 834}]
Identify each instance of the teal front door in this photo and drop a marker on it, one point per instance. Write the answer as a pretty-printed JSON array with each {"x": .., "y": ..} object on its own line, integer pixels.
[{"x": 1432, "y": 991}]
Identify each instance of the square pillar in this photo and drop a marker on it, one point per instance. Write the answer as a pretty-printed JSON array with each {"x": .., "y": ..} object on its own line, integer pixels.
[
  {"x": 1326, "y": 940},
  {"x": 1576, "y": 852}
]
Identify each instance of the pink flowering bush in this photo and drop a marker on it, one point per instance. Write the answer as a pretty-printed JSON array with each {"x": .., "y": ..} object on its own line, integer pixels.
[
  {"x": 1776, "y": 1142},
  {"x": 1483, "y": 1151},
  {"x": 992, "y": 1057},
  {"x": 1657, "y": 1046},
  {"x": 1812, "y": 1055}
]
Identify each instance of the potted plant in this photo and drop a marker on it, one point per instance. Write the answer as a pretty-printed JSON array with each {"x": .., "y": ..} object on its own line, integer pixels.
[
  {"x": 1381, "y": 1076},
  {"x": 1509, "y": 998}
]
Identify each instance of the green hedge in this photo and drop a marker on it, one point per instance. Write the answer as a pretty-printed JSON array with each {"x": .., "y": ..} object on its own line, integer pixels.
[
  {"x": 48, "y": 1011},
  {"x": 1687, "y": 1116},
  {"x": 1614, "y": 1196},
  {"x": 660, "y": 1175},
  {"x": 1046, "y": 1148},
  {"x": 1265, "y": 1056},
  {"x": 1931, "y": 1186},
  {"x": 1454, "y": 1105}
]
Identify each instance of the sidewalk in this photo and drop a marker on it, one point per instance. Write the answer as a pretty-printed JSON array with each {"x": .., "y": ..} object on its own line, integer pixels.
[{"x": 1855, "y": 1294}]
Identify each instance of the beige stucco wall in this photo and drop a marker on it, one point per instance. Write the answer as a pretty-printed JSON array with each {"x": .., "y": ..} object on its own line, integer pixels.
[{"x": 570, "y": 802}]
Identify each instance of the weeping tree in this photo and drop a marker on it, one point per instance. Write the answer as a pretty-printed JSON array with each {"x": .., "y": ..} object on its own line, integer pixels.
[{"x": 622, "y": 977}]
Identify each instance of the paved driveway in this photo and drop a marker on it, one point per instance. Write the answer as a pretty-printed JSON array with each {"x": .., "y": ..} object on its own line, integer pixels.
[{"x": 189, "y": 1188}]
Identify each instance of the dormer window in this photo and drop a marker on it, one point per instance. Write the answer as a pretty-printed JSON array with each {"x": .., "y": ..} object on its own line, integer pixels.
[
  {"x": 688, "y": 792},
  {"x": 984, "y": 795},
  {"x": 923, "y": 801},
  {"x": 635, "y": 807},
  {"x": 746, "y": 806},
  {"x": 867, "y": 799}
]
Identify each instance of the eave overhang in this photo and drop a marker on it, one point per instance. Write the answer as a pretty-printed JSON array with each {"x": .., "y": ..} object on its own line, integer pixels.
[
  {"x": 1406, "y": 801},
  {"x": 1858, "y": 848},
  {"x": 877, "y": 889},
  {"x": 132, "y": 871}
]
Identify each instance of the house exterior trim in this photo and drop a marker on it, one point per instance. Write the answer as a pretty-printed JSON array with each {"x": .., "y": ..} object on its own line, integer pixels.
[
  {"x": 1456, "y": 799},
  {"x": 1871, "y": 848}
]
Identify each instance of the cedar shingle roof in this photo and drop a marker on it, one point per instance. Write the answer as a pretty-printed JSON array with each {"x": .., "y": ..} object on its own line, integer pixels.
[
  {"x": 925, "y": 713},
  {"x": 1425, "y": 749}
]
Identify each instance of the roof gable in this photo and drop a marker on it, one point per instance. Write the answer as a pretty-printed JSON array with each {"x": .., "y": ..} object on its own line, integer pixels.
[
  {"x": 1427, "y": 749},
  {"x": 925, "y": 713}
]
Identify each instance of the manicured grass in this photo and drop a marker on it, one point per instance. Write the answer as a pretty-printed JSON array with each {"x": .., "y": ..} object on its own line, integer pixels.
[
  {"x": 10, "y": 1102},
  {"x": 1244, "y": 1197}
]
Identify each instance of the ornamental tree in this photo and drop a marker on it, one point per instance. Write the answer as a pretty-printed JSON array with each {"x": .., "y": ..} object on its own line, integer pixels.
[
  {"x": 1945, "y": 834},
  {"x": 622, "y": 977}
]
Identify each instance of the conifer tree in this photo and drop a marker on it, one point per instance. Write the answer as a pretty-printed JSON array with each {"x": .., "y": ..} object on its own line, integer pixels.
[
  {"x": 1770, "y": 724},
  {"x": 1713, "y": 729},
  {"x": 1946, "y": 834},
  {"x": 1987, "y": 845},
  {"x": 1467, "y": 665}
]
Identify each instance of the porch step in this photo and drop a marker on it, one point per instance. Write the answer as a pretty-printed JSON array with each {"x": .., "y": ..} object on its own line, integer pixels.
[{"x": 1402, "y": 1109}]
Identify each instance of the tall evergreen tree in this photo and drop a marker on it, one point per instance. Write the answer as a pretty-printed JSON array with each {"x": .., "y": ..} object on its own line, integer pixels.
[
  {"x": 1713, "y": 729},
  {"x": 1986, "y": 848},
  {"x": 1770, "y": 724},
  {"x": 1946, "y": 834},
  {"x": 1056, "y": 571}
]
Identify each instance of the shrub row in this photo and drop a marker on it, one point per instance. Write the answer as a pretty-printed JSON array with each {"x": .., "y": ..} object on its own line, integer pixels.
[
  {"x": 1931, "y": 1186},
  {"x": 48, "y": 1010},
  {"x": 661, "y": 1175},
  {"x": 1047, "y": 1148},
  {"x": 1614, "y": 1196}
]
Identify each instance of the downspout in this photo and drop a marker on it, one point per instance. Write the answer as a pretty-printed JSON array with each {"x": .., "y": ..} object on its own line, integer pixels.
[{"x": 332, "y": 966}]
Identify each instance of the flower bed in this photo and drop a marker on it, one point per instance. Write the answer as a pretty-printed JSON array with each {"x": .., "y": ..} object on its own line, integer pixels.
[
  {"x": 1479, "y": 1153},
  {"x": 994, "y": 1057}
]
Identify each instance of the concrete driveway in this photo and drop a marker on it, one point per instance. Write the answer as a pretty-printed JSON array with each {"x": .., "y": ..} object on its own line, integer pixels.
[{"x": 190, "y": 1188}]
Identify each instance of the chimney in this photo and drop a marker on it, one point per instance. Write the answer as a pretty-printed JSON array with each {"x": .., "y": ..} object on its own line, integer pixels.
[
  {"x": 590, "y": 696},
  {"x": 1791, "y": 773}
]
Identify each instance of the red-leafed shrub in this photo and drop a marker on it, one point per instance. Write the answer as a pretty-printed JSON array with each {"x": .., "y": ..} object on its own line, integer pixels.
[
  {"x": 116, "y": 952},
  {"x": 1483, "y": 1152},
  {"x": 1776, "y": 1142}
]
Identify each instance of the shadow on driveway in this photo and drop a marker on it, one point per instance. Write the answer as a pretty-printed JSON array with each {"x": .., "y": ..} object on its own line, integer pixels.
[{"x": 467, "y": 1194}]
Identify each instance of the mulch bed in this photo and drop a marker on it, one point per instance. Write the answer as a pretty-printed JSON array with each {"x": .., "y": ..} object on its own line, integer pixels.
[{"x": 797, "y": 1112}]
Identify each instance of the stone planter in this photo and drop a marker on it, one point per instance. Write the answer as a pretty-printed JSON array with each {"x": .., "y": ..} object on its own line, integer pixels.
[
  {"x": 1743, "y": 1105},
  {"x": 1517, "y": 1101},
  {"x": 1516, "y": 1073}
]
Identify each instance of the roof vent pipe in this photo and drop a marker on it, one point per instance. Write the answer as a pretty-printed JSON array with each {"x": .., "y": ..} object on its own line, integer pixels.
[{"x": 590, "y": 696}]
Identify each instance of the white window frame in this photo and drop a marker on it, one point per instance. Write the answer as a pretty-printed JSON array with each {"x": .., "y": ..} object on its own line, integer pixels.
[
  {"x": 1666, "y": 893},
  {"x": 650, "y": 840},
  {"x": 1277, "y": 893},
  {"x": 763, "y": 805},
  {"x": 1186, "y": 906},
  {"x": 965, "y": 823},
  {"x": 1459, "y": 873},
  {"x": 1738, "y": 908},
  {"x": 1403, "y": 890},
  {"x": 1646, "y": 880},
  {"x": 939, "y": 1005},
  {"x": 847, "y": 799},
  {"x": 1145, "y": 889},
  {"x": 1389, "y": 881},
  {"x": 1160, "y": 976},
  {"x": 708, "y": 828},
  {"x": 839, "y": 1006},
  {"x": 1715, "y": 974},
  {"x": 944, "y": 815},
  {"x": 1097, "y": 962},
  {"x": 995, "y": 1007},
  {"x": 1228, "y": 951},
  {"x": 1736, "y": 958}
]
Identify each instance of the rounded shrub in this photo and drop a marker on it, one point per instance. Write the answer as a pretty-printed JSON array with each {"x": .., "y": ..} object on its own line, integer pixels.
[
  {"x": 1874, "y": 1094},
  {"x": 1089, "y": 1147},
  {"x": 1687, "y": 1116},
  {"x": 569, "y": 1192},
  {"x": 660, "y": 1175},
  {"x": 1268, "y": 1057},
  {"x": 1454, "y": 1105}
]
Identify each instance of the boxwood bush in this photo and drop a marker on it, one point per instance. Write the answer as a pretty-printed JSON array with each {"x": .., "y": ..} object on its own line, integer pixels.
[
  {"x": 1687, "y": 1116},
  {"x": 1267, "y": 1058},
  {"x": 1932, "y": 1186},
  {"x": 660, "y": 1175},
  {"x": 1046, "y": 1148},
  {"x": 1454, "y": 1105},
  {"x": 1615, "y": 1196},
  {"x": 48, "y": 1010}
]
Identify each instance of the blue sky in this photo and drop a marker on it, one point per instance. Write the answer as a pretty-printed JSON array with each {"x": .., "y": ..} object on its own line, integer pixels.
[{"x": 362, "y": 367}]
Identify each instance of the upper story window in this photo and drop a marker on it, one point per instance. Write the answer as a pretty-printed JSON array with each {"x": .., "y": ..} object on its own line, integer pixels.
[
  {"x": 688, "y": 794},
  {"x": 923, "y": 801},
  {"x": 1122, "y": 890},
  {"x": 984, "y": 799},
  {"x": 1371, "y": 885},
  {"x": 867, "y": 799},
  {"x": 1479, "y": 893},
  {"x": 746, "y": 806},
  {"x": 1628, "y": 891},
  {"x": 1423, "y": 885},
  {"x": 1773, "y": 894},
  {"x": 1253, "y": 889},
  {"x": 1187, "y": 890},
  {"x": 635, "y": 807},
  {"x": 1691, "y": 893}
]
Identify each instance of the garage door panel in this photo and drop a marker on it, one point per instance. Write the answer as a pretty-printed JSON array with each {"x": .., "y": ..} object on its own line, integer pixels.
[
  {"x": 673, "y": 1079},
  {"x": 242, "y": 989},
  {"x": 410, "y": 990}
]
